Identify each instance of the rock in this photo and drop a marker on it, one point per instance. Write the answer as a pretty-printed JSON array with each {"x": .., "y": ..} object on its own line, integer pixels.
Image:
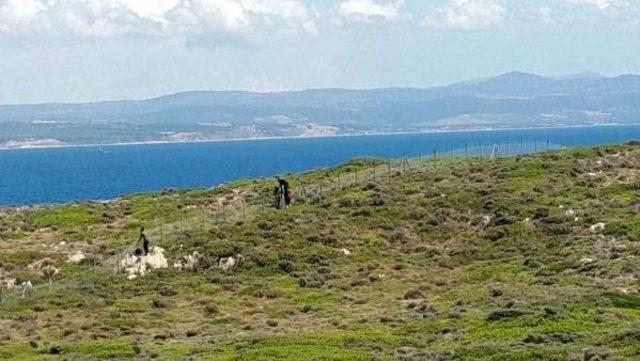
[
  {"x": 49, "y": 271},
  {"x": 228, "y": 262},
  {"x": 40, "y": 264},
  {"x": 345, "y": 251},
  {"x": 569, "y": 213},
  {"x": 486, "y": 220},
  {"x": 138, "y": 265},
  {"x": 597, "y": 228},
  {"x": 76, "y": 257},
  {"x": 586, "y": 260},
  {"x": 187, "y": 262},
  {"x": 10, "y": 283},
  {"x": 27, "y": 289}
]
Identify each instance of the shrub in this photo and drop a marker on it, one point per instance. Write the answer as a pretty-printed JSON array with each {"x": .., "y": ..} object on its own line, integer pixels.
[
  {"x": 413, "y": 294},
  {"x": 495, "y": 234},
  {"x": 504, "y": 314},
  {"x": 285, "y": 265},
  {"x": 311, "y": 282},
  {"x": 211, "y": 309}
]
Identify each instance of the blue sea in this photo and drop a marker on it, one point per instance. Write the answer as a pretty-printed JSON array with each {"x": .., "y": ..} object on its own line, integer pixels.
[{"x": 56, "y": 175}]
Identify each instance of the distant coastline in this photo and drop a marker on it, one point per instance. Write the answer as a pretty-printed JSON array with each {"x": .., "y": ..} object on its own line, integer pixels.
[{"x": 431, "y": 131}]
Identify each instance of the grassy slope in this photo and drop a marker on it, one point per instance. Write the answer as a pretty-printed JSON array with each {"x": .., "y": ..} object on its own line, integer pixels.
[{"x": 427, "y": 278}]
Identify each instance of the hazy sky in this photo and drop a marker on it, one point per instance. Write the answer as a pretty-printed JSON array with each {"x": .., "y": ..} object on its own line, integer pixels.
[{"x": 83, "y": 50}]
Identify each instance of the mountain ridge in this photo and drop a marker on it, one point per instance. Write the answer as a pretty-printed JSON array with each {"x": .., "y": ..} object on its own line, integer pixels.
[{"x": 529, "y": 99}]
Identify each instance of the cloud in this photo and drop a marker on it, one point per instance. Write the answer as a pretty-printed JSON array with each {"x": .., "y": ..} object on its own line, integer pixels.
[
  {"x": 368, "y": 10},
  {"x": 468, "y": 15},
  {"x": 601, "y": 4},
  {"x": 41, "y": 19}
]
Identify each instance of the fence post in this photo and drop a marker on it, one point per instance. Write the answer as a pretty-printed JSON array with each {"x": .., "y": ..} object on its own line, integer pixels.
[
  {"x": 244, "y": 209},
  {"x": 480, "y": 145},
  {"x": 339, "y": 181},
  {"x": 374, "y": 172},
  {"x": 203, "y": 216},
  {"x": 535, "y": 145},
  {"x": 466, "y": 150},
  {"x": 224, "y": 213},
  {"x": 181, "y": 211},
  {"x": 435, "y": 160}
]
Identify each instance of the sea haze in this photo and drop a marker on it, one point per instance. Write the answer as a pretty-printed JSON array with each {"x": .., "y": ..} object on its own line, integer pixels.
[{"x": 34, "y": 176}]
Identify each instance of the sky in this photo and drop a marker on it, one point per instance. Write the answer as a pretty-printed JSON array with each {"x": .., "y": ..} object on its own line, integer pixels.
[{"x": 90, "y": 50}]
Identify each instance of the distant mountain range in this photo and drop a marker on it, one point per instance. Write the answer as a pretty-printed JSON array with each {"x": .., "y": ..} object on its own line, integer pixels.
[{"x": 511, "y": 100}]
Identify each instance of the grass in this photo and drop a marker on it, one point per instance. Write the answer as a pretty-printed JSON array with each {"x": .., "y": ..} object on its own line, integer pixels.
[{"x": 474, "y": 260}]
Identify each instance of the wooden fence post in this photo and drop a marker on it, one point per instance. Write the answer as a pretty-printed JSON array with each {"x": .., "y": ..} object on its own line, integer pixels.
[
  {"x": 203, "y": 216},
  {"x": 244, "y": 209},
  {"x": 435, "y": 160},
  {"x": 224, "y": 213}
]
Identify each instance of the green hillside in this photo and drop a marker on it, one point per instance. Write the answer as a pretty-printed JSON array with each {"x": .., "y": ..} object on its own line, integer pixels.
[{"x": 519, "y": 258}]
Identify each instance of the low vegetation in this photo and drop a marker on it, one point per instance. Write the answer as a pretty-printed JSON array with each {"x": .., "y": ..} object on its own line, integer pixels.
[{"x": 521, "y": 258}]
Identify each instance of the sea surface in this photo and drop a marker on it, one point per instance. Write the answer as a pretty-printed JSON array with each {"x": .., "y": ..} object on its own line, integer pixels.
[{"x": 57, "y": 175}]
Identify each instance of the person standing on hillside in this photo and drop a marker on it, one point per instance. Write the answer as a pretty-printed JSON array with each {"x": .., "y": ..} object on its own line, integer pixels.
[
  {"x": 284, "y": 192},
  {"x": 145, "y": 241}
]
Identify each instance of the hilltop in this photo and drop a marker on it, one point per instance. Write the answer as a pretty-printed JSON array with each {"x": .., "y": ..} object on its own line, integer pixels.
[
  {"x": 512, "y": 100},
  {"x": 519, "y": 258}
]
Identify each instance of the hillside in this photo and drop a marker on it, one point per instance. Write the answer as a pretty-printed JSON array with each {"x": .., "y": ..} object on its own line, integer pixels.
[
  {"x": 531, "y": 257},
  {"x": 512, "y": 100}
]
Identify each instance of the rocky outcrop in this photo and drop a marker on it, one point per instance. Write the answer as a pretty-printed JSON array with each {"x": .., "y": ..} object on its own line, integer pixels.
[
  {"x": 226, "y": 263},
  {"x": 138, "y": 265},
  {"x": 187, "y": 262}
]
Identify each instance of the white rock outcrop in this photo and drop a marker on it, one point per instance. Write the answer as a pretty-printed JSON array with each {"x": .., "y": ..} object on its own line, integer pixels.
[
  {"x": 226, "y": 263},
  {"x": 586, "y": 260},
  {"x": 76, "y": 257},
  {"x": 27, "y": 289},
  {"x": 10, "y": 283},
  {"x": 187, "y": 262},
  {"x": 597, "y": 228},
  {"x": 138, "y": 265}
]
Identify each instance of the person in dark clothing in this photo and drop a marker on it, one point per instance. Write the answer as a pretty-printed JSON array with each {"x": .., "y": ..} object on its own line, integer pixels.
[
  {"x": 284, "y": 192},
  {"x": 145, "y": 241}
]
